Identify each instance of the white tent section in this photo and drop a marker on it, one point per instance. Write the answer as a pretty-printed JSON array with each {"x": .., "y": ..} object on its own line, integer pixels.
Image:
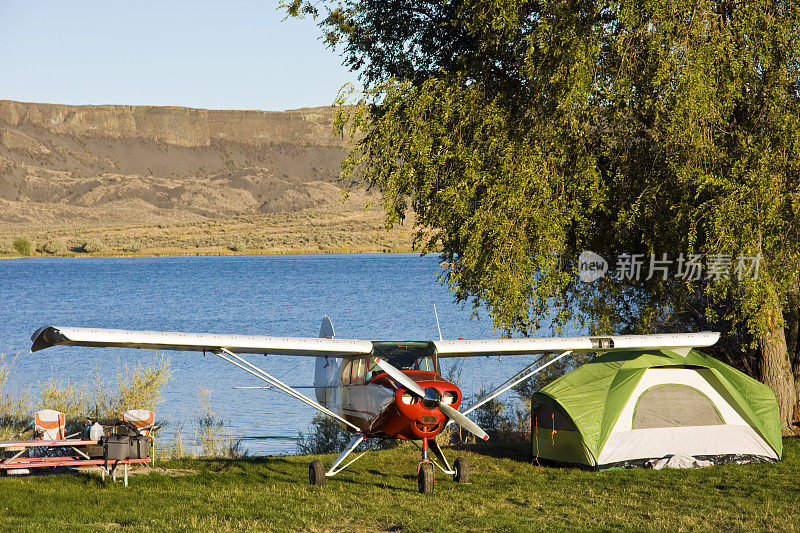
[{"x": 678, "y": 410}]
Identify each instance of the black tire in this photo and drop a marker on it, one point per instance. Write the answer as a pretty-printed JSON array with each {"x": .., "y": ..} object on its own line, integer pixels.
[
  {"x": 425, "y": 478},
  {"x": 316, "y": 473},
  {"x": 463, "y": 470}
]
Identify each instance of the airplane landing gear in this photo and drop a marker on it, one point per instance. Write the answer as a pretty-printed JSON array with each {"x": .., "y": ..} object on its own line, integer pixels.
[
  {"x": 462, "y": 470},
  {"x": 316, "y": 473},
  {"x": 425, "y": 470},
  {"x": 425, "y": 478}
]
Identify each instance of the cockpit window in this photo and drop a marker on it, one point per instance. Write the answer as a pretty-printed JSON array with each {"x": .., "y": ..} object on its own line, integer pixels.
[
  {"x": 412, "y": 355},
  {"x": 359, "y": 368},
  {"x": 345, "y": 372},
  {"x": 353, "y": 371}
]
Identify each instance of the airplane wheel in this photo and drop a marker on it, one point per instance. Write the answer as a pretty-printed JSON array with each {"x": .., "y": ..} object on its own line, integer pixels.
[
  {"x": 316, "y": 473},
  {"x": 425, "y": 478},
  {"x": 463, "y": 470}
]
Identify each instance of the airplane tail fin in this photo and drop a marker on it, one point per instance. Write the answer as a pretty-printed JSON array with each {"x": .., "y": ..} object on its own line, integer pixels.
[
  {"x": 326, "y": 370},
  {"x": 326, "y": 329}
]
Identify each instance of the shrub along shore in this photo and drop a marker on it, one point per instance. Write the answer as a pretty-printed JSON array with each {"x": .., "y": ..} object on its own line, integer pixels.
[{"x": 308, "y": 232}]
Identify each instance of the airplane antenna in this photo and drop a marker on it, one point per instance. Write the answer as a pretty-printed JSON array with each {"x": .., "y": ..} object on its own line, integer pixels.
[{"x": 437, "y": 321}]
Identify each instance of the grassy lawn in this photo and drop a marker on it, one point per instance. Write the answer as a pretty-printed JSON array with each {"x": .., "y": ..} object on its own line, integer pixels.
[{"x": 379, "y": 493}]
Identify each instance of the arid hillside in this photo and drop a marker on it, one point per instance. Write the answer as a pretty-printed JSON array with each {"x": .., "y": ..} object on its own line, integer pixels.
[{"x": 159, "y": 180}]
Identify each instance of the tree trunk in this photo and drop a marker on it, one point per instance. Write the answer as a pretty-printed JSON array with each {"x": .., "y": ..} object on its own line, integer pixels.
[
  {"x": 776, "y": 367},
  {"x": 792, "y": 316}
]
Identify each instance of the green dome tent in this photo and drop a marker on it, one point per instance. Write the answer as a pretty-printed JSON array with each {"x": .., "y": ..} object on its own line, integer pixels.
[{"x": 627, "y": 407}]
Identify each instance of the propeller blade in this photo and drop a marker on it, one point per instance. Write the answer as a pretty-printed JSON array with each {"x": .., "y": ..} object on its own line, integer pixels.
[
  {"x": 463, "y": 421},
  {"x": 400, "y": 377}
]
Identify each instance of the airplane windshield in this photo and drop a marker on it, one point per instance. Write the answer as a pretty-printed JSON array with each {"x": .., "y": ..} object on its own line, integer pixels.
[{"x": 412, "y": 355}]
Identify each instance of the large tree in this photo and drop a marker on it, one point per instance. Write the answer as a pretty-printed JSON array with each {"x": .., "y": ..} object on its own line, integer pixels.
[{"x": 522, "y": 133}]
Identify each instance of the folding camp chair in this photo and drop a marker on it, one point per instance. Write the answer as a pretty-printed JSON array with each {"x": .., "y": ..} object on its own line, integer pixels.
[
  {"x": 145, "y": 422},
  {"x": 49, "y": 425}
]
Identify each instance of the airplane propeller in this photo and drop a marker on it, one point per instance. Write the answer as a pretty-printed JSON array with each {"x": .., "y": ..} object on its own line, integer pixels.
[{"x": 430, "y": 399}]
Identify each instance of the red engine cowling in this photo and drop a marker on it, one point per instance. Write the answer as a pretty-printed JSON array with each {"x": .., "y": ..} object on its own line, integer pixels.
[{"x": 411, "y": 418}]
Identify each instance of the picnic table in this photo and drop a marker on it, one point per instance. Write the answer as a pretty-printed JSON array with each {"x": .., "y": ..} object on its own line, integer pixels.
[{"x": 75, "y": 457}]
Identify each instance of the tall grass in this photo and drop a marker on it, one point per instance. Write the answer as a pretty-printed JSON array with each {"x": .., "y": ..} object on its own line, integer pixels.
[
  {"x": 139, "y": 387},
  {"x": 173, "y": 448},
  {"x": 16, "y": 412},
  {"x": 68, "y": 397},
  {"x": 135, "y": 388},
  {"x": 211, "y": 440}
]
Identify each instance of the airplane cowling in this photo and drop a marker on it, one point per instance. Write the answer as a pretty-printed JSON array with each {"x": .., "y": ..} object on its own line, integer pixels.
[{"x": 417, "y": 421}]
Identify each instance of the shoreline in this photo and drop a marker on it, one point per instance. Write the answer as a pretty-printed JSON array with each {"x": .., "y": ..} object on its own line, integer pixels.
[
  {"x": 76, "y": 255},
  {"x": 329, "y": 231},
  {"x": 299, "y": 251}
]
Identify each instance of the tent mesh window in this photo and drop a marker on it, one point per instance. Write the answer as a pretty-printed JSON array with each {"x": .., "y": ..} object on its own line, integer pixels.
[
  {"x": 667, "y": 406},
  {"x": 549, "y": 418}
]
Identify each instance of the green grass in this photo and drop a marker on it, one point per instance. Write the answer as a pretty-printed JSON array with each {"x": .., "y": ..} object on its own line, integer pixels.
[{"x": 379, "y": 493}]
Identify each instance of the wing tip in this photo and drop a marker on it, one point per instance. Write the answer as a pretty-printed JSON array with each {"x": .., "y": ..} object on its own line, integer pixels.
[{"x": 43, "y": 338}]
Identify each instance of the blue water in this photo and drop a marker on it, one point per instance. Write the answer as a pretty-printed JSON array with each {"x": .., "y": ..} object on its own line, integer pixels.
[{"x": 372, "y": 296}]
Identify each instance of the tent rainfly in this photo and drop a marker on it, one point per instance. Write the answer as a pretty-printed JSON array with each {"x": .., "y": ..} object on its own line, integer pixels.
[{"x": 624, "y": 408}]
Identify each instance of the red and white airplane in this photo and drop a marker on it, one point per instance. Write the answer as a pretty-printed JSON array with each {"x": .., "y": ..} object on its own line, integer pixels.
[{"x": 383, "y": 389}]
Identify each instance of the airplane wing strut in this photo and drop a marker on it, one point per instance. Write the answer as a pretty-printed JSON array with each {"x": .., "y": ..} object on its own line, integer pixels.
[
  {"x": 247, "y": 366},
  {"x": 224, "y": 346},
  {"x": 519, "y": 377}
]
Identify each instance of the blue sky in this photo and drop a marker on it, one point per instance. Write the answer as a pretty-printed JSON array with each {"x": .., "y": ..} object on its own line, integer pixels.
[{"x": 218, "y": 55}]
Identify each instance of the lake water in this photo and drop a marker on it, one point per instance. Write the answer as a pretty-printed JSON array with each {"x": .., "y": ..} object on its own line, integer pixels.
[{"x": 371, "y": 296}]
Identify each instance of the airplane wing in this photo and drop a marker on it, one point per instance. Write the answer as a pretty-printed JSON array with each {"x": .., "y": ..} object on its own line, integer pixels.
[
  {"x": 313, "y": 347},
  {"x": 677, "y": 342},
  {"x": 200, "y": 342}
]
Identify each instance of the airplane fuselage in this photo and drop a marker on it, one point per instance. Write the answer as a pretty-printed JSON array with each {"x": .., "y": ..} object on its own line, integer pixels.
[
  {"x": 356, "y": 389},
  {"x": 381, "y": 408}
]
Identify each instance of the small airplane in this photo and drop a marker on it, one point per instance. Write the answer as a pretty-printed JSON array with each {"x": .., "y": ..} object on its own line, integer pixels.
[{"x": 377, "y": 389}]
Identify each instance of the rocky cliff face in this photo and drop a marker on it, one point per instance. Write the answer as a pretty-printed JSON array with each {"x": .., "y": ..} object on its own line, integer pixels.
[
  {"x": 176, "y": 126},
  {"x": 65, "y": 160}
]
